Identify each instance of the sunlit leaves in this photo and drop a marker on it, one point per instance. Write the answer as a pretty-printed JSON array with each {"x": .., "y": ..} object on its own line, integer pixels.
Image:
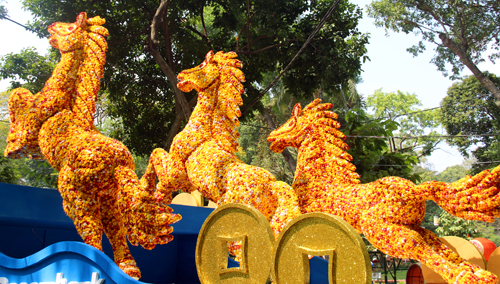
[
  {"x": 473, "y": 25},
  {"x": 27, "y": 68},
  {"x": 412, "y": 121},
  {"x": 469, "y": 109}
]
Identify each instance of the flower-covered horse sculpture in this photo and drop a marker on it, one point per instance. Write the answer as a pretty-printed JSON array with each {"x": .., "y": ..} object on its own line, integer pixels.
[
  {"x": 96, "y": 174},
  {"x": 202, "y": 154},
  {"x": 390, "y": 210}
]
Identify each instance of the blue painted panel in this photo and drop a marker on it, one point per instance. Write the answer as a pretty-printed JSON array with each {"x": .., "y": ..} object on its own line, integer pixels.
[
  {"x": 32, "y": 220},
  {"x": 77, "y": 261}
]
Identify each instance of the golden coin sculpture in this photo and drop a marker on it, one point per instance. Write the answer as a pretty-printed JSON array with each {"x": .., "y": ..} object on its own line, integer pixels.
[
  {"x": 320, "y": 234},
  {"x": 310, "y": 234},
  {"x": 494, "y": 262},
  {"x": 230, "y": 223}
]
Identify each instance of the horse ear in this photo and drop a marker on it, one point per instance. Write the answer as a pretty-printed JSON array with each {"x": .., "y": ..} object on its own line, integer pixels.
[
  {"x": 81, "y": 19},
  {"x": 297, "y": 109},
  {"x": 208, "y": 58}
]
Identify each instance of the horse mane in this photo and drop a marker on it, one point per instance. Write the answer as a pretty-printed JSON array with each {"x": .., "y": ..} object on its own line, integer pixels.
[
  {"x": 324, "y": 147},
  {"x": 225, "y": 118},
  {"x": 91, "y": 70},
  {"x": 337, "y": 160}
]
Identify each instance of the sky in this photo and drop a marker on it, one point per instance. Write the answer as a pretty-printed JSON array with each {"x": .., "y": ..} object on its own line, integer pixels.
[{"x": 390, "y": 67}]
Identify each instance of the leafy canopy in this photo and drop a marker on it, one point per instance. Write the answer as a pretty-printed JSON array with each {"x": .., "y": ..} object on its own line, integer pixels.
[
  {"x": 28, "y": 68},
  {"x": 469, "y": 109},
  {"x": 374, "y": 158},
  {"x": 473, "y": 25},
  {"x": 405, "y": 109},
  {"x": 266, "y": 35}
]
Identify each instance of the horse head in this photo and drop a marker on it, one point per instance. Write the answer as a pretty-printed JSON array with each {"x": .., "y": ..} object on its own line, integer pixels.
[
  {"x": 221, "y": 69},
  {"x": 303, "y": 124},
  {"x": 69, "y": 37}
]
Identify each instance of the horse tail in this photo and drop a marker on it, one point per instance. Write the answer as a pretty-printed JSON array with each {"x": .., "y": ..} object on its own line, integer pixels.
[
  {"x": 472, "y": 197},
  {"x": 148, "y": 221}
]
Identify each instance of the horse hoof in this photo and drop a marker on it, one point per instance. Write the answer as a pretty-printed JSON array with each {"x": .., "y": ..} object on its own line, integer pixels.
[
  {"x": 486, "y": 277},
  {"x": 466, "y": 277},
  {"x": 131, "y": 269}
]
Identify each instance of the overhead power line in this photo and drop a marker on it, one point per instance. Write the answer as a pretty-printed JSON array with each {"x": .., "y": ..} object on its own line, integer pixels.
[
  {"x": 429, "y": 109},
  {"x": 424, "y": 136},
  {"x": 27, "y": 28}
]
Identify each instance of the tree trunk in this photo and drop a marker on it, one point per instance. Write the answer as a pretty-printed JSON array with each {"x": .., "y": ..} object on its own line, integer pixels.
[
  {"x": 290, "y": 161},
  {"x": 168, "y": 70},
  {"x": 485, "y": 81}
]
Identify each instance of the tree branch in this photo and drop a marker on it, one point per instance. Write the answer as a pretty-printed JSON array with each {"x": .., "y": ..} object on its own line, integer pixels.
[
  {"x": 156, "y": 20},
  {"x": 207, "y": 40},
  {"x": 239, "y": 33},
  {"x": 472, "y": 67},
  {"x": 180, "y": 98},
  {"x": 203, "y": 23},
  {"x": 421, "y": 28},
  {"x": 263, "y": 49},
  {"x": 425, "y": 8}
]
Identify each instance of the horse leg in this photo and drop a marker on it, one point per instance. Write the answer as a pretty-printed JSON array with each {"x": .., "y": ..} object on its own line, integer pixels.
[
  {"x": 439, "y": 247},
  {"x": 257, "y": 187},
  {"x": 82, "y": 208},
  {"x": 404, "y": 241},
  {"x": 288, "y": 206},
  {"x": 171, "y": 174},
  {"x": 117, "y": 233}
]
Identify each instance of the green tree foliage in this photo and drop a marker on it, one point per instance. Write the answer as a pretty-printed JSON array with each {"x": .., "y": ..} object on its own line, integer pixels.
[
  {"x": 461, "y": 30},
  {"x": 450, "y": 225},
  {"x": 265, "y": 34},
  {"x": 27, "y": 69},
  {"x": 3, "y": 11},
  {"x": 403, "y": 108},
  {"x": 452, "y": 174},
  {"x": 372, "y": 157},
  {"x": 469, "y": 109}
]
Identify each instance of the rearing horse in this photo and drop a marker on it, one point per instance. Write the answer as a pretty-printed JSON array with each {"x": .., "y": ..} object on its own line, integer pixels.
[
  {"x": 202, "y": 154},
  {"x": 97, "y": 182}
]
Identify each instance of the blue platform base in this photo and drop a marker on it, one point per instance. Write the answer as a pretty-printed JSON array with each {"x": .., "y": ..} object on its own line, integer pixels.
[{"x": 38, "y": 241}]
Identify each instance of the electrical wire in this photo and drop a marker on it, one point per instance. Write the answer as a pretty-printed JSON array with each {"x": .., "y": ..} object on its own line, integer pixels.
[
  {"x": 29, "y": 29},
  {"x": 424, "y": 136}
]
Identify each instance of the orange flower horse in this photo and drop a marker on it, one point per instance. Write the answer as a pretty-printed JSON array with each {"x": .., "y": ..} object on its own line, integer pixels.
[
  {"x": 390, "y": 210},
  {"x": 202, "y": 154},
  {"x": 96, "y": 174}
]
